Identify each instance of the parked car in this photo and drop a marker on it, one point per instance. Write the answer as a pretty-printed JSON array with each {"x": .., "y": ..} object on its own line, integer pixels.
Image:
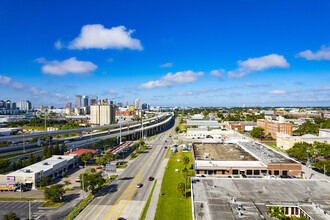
[
  {"x": 67, "y": 141},
  {"x": 150, "y": 178},
  {"x": 77, "y": 179},
  {"x": 99, "y": 168},
  {"x": 139, "y": 185}
]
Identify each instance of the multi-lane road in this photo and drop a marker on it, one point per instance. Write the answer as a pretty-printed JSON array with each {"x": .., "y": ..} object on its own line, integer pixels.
[{"x": 122, "y": 198}]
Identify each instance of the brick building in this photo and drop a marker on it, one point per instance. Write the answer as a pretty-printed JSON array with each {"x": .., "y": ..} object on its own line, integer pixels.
[{"x": 274, "y": 127}]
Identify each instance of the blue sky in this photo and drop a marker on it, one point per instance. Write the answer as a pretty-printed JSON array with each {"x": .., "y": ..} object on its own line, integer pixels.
[{"x": 174, "y": 53}]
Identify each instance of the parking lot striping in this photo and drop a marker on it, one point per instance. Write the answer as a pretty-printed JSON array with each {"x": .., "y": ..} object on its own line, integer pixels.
[{"x": 133, "y": 181}]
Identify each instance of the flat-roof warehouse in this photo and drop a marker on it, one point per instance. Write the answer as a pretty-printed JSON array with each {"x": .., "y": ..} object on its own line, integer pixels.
[{"x": 226, "y": 199}]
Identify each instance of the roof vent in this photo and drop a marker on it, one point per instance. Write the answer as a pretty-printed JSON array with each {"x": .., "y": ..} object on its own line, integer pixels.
[
  {"x": 45, "y": 164},
  {"x": 59, "y": 158}
]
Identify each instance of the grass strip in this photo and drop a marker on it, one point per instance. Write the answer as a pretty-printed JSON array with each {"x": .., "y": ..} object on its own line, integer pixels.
[
  {"x": 50, "y": 204},
  {"x": 168, "y": 150},
  {"x": 79, "y": 207},
  {"x": 16, "y": 154},
  {"x": 146, "y": 207},
  {"x": 169, "y": 198},
  {"x": 139, "y": 152},
  {"x": 18, "y": 199}
]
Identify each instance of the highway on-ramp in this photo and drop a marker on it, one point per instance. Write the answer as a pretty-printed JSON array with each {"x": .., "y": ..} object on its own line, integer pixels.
[{"x": 122, "y": 198}]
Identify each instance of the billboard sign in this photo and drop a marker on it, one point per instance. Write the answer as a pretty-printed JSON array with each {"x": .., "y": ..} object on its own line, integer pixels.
[{"x": 11, "y": 178}]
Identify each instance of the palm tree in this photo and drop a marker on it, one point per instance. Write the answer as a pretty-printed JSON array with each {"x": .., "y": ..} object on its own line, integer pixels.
[{"x": 67, "y": 183}]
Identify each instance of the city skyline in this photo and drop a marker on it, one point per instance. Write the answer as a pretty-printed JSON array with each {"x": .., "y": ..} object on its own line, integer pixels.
[{"x": 177, "y": 54}]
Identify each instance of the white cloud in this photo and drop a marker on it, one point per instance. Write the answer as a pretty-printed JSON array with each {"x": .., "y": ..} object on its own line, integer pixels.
[
  {"x": 196, "y": 92},
  {"x": 277, "y": 92},
  {"x": 58, "y": 45},
  {"x": 258, "y": 64},
  {"x": 170, "y": 79},
  {"x": 217, "y": 73},
  {"x": 165, "y": 65},
  {"x": 62, "y": 96},
  {"x": 326, "y": 88},
  {"x": 98, "y": 37},
  {"x": 71, "y": 65},
  {"x": 111, "y": 92},
  {"x": 249, "y": 84},
  {"x": 6, "y": 81},
  {"x": 322, "y": 54}
]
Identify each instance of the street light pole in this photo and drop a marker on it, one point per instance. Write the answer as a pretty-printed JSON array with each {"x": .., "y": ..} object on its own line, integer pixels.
[
  {"x": 83, "y": 184},
  {"x": 120, "y": 126},
  {"x": 30, "y": 210}
]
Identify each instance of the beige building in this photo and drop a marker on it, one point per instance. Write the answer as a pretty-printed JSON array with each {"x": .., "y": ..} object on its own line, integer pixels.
[
  {"x": 102, "y": 113},
  {"x": 275, "y": 127},
  {"x": 324, "y": 133},
  {"x": 286, "y": 141}
]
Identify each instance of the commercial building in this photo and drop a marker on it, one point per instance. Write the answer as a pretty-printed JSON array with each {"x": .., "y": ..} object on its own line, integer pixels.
[
  {"x": 242, "y": 157},
  {"x": 52, "y": 167},
  {"x": 68, "y": 105},
  {"x": 84, "y": 101},
  {"x": 324, "y": 133},
  {"x": 24, "y": 105},
  {"x": 240, "y": 125},
  {"x": 204, "y": 123},
  {"x": 78, "y": 101},
  {"x": 103, "y": 113},
  {"x": 274, "y": 127},
  {"x": 201, "y": 133},
  {"x": 286, "y": 142},
  {"x": 137, "y": 103},
  {"x": 144, "y": 106},
  {"x": 230, "y": 199}
]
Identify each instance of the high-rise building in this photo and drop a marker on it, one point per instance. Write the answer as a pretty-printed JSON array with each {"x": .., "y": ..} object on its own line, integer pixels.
[
  {"x": 92, "y": 101},
  {"x": 68, "y": 105},
  {"x": 119, "y": 104},
  {"x": 78, "y": 101},
  {"x": 145, "y": 106},
  {"x": 103, "y": 113},
  {"x": 137, "y": 103},
  {"x": 84, "y": 101},
  {"x": 94, "y": 97},
  {"x": 24, "y": 105}
]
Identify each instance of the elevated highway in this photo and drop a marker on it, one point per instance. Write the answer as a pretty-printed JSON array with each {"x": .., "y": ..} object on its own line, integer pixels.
[{"x": 109, "y": 128}]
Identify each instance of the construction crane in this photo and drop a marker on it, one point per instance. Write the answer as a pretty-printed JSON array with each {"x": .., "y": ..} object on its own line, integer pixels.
[{"x": 131, "y": 108}]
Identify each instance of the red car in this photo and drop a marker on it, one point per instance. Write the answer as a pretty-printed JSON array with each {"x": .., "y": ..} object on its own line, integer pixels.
[
  {"x": 99, "y": 168},
  {"x": 151, "y": 178}
]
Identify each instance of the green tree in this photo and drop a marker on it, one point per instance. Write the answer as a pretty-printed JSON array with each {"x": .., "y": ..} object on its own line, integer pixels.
[
  {"x": 45, "y": 153},
  {"x": 45, "y": 181},
  {"x": 180, "y": 187},
  {"x": 93, "y": 170},
  {"x": 307, "y": 127},
  {"x": 63, "y": 149},
  {"x": 177, "y": 129},
  {"x": 67, "y": 183},
  {"x": 19, "y": 163},
  {"x": 63, "y": 174},
  {"x": 57, "y": 150},
  {"x": 54, "y": 193},
  {"x": 4, "y": 164},
  {"x": 11, "y": 216},
  {"x": 256, "y": 132},
  {"x": 186, "y": 161},
  {"x": 14, "y": 166},
  {"x": 50, "y": 151},
  {"x": 30, "y": 160},
  {"x": 92, "y": 181}
]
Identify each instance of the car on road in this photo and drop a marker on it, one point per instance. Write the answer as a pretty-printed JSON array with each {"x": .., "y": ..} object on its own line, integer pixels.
[
  {"x": 78, "y": 180},
  {"x": 99, "y": 168},
  {"x": 121, "y": 218},
  {"x": 66, "y": 142},
  {"x": 150, "y": 178},
  {"x": 139, "y": 185}
]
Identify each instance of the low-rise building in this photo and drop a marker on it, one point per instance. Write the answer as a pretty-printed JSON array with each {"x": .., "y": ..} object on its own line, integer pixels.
[
  {"x": 274, "y": 127},
  {"x": 324, "y": 133},
  {"x": 285, "y": 141},
  {"x": 52, "y": 167}
]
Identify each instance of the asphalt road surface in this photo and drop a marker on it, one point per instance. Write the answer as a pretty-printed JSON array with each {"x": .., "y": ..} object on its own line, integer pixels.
[
  {"x": 21, "y": 208},
  {"x": 122, "y": 198}
]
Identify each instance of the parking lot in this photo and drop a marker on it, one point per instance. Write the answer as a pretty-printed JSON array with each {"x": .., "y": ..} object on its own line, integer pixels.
[{"x": 21, "y": 208}]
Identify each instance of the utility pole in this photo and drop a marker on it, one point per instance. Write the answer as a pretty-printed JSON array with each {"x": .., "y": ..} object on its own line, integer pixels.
[
  {"x": 324, "y": 170},
  {"x": 23, "y": 144},
  {"x": 45, "y": 120},
  {"x": 142, "y": 128},
  {"x": 83, "y": 185},
  {"x": 30, "y": 210},
  {"x": 20, "y": 192}
]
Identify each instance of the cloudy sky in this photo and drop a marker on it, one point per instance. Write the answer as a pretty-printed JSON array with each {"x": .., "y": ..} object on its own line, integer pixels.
[{"x": 169, "y": 53}]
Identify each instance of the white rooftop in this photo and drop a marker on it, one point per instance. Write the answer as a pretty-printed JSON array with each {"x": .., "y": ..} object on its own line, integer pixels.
[{"x": 210, "y": 164}]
